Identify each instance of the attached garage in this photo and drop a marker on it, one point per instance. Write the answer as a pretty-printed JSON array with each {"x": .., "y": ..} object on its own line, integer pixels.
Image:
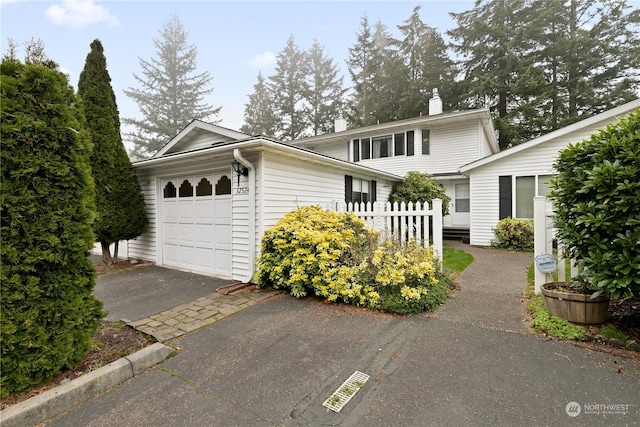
[
  {"x": 196, "y": 223},
  {"x": 211, "y": 193}
]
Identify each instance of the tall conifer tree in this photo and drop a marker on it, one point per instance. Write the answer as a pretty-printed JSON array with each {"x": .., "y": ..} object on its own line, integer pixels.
[
  {"x": 121, "y": 213},
  {"x": 258, "y": 112},
  {"x": 171, "y": 95},
  {"x": 49, "y": 314}
]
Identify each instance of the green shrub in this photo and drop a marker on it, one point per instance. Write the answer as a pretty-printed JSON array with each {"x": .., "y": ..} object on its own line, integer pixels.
[
  {"x": 334, "y": 256},
  {"x": 596, "y": 196},
  {"x": 514, "y": 234},
  {"x": 48, "y": 314},
  {"x": 420, "y": 187}
]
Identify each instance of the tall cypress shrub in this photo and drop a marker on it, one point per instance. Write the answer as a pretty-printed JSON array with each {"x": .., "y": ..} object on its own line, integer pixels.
[
  {"x": 49, "y": 314},
  {"x": 121, "y": 213}
]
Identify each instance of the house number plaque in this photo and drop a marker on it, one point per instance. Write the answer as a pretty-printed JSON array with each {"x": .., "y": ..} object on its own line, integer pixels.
[{"x": 242, "y": 190}]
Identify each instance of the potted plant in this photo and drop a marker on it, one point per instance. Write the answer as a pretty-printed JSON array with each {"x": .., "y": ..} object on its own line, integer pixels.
[
  {"x": 596, "y": 197},
  {"x": 575, "y": 303}
]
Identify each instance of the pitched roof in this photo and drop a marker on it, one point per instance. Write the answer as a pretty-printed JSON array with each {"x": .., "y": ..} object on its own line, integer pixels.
[
  {"x": 191, "y": 129},
  {"x": 614, "y": 112}
]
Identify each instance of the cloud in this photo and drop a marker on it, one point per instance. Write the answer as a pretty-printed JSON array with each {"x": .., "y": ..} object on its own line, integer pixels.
[
  {"x": 79, "y": 14},
  {"x": 265, "y": 59}
]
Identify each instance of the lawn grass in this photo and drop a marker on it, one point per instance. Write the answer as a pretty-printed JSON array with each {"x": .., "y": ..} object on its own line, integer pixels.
[{"x": 456, "y": 260}]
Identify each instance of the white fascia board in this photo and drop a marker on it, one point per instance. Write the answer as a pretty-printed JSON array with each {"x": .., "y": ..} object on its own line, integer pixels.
[
  {"x": 261, "y": 143},
  {"x": 618, "y": 111}
]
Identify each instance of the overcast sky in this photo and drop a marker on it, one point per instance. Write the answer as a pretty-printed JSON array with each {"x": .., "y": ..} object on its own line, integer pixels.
[{"x": 235, "y": 39}]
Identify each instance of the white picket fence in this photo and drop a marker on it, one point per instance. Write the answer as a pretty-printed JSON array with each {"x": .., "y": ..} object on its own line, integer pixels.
[
  {"x": 543, "y": 242},
  {"x": 403, "y": 221}
]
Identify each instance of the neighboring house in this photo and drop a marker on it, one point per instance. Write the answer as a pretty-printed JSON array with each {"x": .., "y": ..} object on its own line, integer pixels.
[
  {"x": 504, "y": 184},
  {"x": 207, "y": 218},
  {"x": 437, "y": 144}
]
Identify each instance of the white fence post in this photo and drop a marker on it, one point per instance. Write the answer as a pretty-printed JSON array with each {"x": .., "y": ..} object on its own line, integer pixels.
[
  {"x": 543, "y": 237},
  {"x": 436, "y": 208}
]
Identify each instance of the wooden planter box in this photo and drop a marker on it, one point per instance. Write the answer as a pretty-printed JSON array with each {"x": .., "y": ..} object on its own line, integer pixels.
[{"x": 577, "y": 308}]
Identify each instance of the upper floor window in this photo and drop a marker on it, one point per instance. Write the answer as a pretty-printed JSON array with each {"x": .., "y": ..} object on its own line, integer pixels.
[
  {"x": 426, "y": 136},
  {"x": 398, "y": 144}
]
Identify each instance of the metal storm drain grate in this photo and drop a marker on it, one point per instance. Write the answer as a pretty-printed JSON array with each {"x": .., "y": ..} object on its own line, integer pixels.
[{"x": 346, "y": 391}]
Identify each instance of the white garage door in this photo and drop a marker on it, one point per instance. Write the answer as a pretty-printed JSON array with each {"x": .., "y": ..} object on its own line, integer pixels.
[{"x": 196, "y": 223}]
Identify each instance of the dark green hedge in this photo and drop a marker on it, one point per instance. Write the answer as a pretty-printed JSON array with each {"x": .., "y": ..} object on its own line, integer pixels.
[{"x": 48, "y": 313}]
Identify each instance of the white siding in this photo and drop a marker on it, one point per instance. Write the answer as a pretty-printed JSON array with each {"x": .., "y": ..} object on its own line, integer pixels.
[
  {"x": 537, "y": 160},
  {"x": 451, "y": 147},
  {"x": 337, "y": 150}
]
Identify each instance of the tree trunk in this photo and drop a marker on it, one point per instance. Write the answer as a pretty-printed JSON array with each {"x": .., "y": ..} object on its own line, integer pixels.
[
  {"x": 115, "y": 252},
  {"x": 106, "y": 253}
]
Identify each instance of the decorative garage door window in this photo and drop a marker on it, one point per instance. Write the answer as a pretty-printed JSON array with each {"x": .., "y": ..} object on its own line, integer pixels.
[
  {"x": 223, "y": 186},
  {"x": 169, "y": 190},
  {"x": 204, "y": 188},
  {"x": 186, "y": 189}
]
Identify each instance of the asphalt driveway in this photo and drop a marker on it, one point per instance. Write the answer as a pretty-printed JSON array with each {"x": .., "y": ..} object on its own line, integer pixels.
[{"x": 472, "y": 363}]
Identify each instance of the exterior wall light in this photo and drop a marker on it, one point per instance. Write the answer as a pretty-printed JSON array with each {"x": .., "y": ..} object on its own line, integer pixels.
[{"x": 240, "y": 170}]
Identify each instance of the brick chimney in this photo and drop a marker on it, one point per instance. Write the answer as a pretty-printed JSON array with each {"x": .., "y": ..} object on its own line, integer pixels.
[{"x": 435, "y": 103}]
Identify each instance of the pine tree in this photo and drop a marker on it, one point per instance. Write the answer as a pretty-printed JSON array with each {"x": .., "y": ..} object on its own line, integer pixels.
[
  {"x": 258, "y": 112},
  {"x": 325, "y": 90},
  {"x": 121, "y": 213},
  {"x": 289, "y": 89},
  {"x": 49, "y": 314},
  {"x": 171, "y": 96}
]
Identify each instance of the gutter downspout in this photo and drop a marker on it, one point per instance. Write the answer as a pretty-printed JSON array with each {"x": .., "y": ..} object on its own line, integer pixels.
[{"x": 237, "y": 155}]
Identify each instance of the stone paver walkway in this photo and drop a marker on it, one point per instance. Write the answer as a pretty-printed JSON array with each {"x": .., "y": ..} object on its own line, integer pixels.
[{"x": 196, "y": 314}]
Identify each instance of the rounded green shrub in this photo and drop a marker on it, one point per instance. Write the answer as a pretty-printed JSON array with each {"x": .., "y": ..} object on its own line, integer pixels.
[
  {"x": 596, "y": 196},
  {"x": 514, "y": 234}
]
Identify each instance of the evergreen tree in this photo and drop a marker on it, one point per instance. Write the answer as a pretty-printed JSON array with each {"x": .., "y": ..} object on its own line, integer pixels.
[
  {"x": 49, "y": 314},
  {"x": 362, "y": 67},
  {"x": 171, "y": 96},
  {"x": 493, "y": 41},
  {"x": 289, "y": 89},
  {"x": 259, "y": 117},
  {"x": 121, "y": 213},
  {"x": 588, "y": 56},
  {"x": 388, "y": 79},
  {"x": 326, "y": 94}
]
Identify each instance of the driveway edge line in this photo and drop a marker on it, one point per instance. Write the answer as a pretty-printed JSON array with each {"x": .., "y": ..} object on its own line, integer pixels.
[{"x": 53, "y": 402}]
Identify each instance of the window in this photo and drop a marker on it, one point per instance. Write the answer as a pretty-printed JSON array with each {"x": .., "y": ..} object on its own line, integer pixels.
[
  {"x": 356, "y": 150},
  {"x": 359, "y": 190},
  {"x": 203, "y": 188},
  {"x": 398, "y": 139},
  {"x": 526, "y": 188},
  {"x": 462, "y": 198},
  {"x": 544, "y": 184},
  {"x": 410, "y": 149},
  {"x": 382, "y": 146},
  {"x": 426, "y": 135},
  {"x": 223, "y": 186},
  {"x": 186, "y": 189},
  {"x": 365, "y": 148},
  {"x": 525, "y": 191},
  {"x": 169, "y": 190}
]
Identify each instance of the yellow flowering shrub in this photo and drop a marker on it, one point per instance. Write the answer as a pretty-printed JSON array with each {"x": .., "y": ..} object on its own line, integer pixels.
[{"x": 335, "y": 256}]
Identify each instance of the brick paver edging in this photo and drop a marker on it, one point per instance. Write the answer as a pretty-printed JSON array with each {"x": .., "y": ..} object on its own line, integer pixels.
[{"x": 196, "y": 314}]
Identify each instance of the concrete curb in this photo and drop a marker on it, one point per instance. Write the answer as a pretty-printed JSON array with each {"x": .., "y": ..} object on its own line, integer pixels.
[{"x": 57, "y": 400}]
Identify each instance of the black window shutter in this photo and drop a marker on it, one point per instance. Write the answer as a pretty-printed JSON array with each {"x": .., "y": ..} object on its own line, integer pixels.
[
  {"x": 505, "y": 196},
  {"x": 348, "y": 188},
  {"x": 374, "y": 191},
  {"x": 410, "y": 143},
  {"x": 356, "y": 150}
]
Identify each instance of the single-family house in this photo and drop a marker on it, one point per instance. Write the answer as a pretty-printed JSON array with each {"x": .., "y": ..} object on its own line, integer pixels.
[
  {"x": 438, "y": 144},
  {"x": 211, "y": 193},
  {"x": 504, "y": 184}
]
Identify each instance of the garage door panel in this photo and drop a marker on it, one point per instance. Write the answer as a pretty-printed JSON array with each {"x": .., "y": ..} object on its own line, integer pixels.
[
  {"x": 196, "y": 225},
  {"x": 205, "y": 235},
  {"x": 204, "y": 212}
]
